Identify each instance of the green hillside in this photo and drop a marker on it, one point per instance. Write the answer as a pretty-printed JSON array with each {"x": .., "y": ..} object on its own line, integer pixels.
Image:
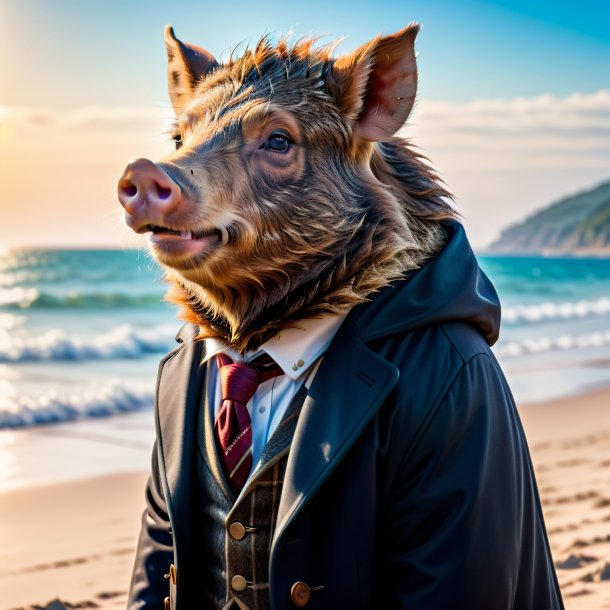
[{"x": 578, "y": 224}]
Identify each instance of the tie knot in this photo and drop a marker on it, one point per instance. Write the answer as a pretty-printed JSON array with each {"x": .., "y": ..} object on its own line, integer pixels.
[{"x": 240, "y": 380}]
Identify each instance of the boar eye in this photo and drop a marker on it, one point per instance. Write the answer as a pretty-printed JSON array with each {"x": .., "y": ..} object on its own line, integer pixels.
[
  {"x": 277, "y": 142},
  {"x": 178, "y": 140}
]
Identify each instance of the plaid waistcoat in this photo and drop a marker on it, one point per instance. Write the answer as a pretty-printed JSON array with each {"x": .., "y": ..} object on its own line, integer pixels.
[{"x": 236, "y": 533}]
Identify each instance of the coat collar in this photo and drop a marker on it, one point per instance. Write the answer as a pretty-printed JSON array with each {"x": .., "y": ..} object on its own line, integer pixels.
[{"x": 450, "y": 287}]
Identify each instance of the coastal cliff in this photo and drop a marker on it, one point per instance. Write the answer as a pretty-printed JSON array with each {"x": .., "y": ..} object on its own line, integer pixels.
[{"x": 575, "y": 225}]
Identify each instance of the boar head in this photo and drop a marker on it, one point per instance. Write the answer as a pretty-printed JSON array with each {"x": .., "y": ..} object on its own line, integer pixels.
[{"x": 288, "y": 195}]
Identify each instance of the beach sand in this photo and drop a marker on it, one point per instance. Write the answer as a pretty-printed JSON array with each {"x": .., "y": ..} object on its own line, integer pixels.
[
  {"x": 569, "y": 440},
  {"x": 75, "y": 541}
]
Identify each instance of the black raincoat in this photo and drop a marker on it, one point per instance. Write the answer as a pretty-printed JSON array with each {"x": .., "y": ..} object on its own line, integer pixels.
[{"x": 409, "y": 483}]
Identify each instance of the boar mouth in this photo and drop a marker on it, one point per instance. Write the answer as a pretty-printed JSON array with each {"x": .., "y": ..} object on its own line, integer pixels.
[{"x": 186, "y": 234}]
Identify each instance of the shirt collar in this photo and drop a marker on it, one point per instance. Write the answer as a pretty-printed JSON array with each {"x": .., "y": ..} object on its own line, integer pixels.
[{"x": 295, "y": 350}]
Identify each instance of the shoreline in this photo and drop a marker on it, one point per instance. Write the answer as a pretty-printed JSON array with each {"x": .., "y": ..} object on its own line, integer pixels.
[
  {"x": 75, "y": 451},
  {"x": 75, "y": 540},
  {"x": 117, "y": 442}
]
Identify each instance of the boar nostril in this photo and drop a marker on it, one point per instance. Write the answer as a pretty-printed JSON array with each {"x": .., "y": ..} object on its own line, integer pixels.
[
  {"x": 145, "y": 191},
  {"x": 163, "y": 192},
  {"x": 129, "y": 190}
]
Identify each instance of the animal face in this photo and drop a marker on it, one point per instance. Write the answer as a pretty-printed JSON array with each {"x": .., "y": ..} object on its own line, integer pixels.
[{"x": 278, "y": 191}]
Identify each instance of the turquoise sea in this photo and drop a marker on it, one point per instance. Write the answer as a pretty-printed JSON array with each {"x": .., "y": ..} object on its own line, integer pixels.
[{"x": 81, "y": 334}]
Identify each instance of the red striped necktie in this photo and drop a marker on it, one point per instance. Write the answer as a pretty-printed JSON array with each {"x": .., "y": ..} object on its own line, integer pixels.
[{"x": 233, "y": 430}]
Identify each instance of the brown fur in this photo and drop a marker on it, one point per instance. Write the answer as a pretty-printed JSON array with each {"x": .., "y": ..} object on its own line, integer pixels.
[{"x": 311, "y": 232}]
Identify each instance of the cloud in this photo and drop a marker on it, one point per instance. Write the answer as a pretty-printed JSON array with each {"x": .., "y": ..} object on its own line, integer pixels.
[
  {"x": 543, "y": 132},
  {"x": 90, "y": 117},
  {"x": 579, "y": 114},
  {"x": 542, "y": 113}
]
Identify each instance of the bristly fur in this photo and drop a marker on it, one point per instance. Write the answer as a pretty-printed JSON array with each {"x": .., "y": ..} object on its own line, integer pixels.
[{"x": 347, "y": 220}]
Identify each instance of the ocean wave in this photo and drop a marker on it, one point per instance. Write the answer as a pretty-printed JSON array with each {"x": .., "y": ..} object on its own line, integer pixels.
[
  {"x": 61, "y": 275},
  {"x": 549, "y": 311},
  {"x": 550, "y": 344},
  {"x": 121, "y": 342},
  {"x": 32, "y": 298},
  {"x": 52, "y": 408}
]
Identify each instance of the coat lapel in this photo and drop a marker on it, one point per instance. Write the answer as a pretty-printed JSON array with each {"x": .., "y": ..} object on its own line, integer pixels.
[
  {"x": 346, "y": 392},
  {"x": 179, "y": 389},
  {"x": 210, "y": 451},
  {"x": 277, "y": 446},
  {"x": 282, "y": 437}
]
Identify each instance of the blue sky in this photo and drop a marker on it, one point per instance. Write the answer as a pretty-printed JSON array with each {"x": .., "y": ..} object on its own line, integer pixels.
[
  {"x": 513, "y": 106},
  {"x": 72, "y": 52}
]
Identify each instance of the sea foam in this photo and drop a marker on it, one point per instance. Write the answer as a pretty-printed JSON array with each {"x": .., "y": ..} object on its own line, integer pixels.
[
  {"x": 121, "y": 342},
  {"x": 53, "y": 408},
  {"x": 548, "y": 344},
  {"x": 550, "y": 311}
]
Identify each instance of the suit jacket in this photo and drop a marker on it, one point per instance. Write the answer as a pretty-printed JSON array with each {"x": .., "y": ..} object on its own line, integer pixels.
[{"x": 408, "y": 483}]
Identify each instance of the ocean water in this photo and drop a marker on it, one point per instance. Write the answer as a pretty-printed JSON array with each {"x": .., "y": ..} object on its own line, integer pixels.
[{"x": 81, "y": 334}]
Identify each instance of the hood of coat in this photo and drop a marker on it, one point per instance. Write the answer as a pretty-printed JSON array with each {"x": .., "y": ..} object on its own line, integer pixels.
[{"x": 451, "y": 287}]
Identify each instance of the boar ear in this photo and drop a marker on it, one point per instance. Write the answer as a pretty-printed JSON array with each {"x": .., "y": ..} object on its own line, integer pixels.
[
  {"x": 375, "y": 86},
  {"x": 186, "y": 66}
]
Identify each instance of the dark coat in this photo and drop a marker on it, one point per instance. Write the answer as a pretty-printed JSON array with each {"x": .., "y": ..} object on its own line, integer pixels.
[{"x": 409, "y": 483}]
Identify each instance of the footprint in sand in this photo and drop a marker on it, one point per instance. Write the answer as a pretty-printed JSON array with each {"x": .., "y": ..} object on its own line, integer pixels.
[{"x": 575, "y": 561}]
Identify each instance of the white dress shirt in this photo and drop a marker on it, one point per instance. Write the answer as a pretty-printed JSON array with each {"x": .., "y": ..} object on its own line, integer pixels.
[{"x": 295, "y": 350}]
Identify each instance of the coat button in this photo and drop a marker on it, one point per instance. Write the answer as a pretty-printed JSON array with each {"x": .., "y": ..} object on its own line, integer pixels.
[
  {"x": 172, "y": 574},
  {"x": 237, "y": 530},
  {"x": 238, "y": 583},
  {"x": 167, "y": 604},
  {"x": 300, "y": 594}
]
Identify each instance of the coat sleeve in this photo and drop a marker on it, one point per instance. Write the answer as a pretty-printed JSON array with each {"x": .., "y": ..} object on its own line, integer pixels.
[
  {"x": 154, "y": 551},
  {"x": 464, "y": 527}
]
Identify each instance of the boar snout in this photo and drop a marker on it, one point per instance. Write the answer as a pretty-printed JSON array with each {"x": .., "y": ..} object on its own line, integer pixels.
[{"x": 148, "y": 194}]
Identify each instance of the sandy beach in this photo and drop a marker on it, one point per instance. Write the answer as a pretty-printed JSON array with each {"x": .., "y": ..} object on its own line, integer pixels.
[
  {"x": 75, "y": 541},
  {"x": 569, "y": 440}
]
